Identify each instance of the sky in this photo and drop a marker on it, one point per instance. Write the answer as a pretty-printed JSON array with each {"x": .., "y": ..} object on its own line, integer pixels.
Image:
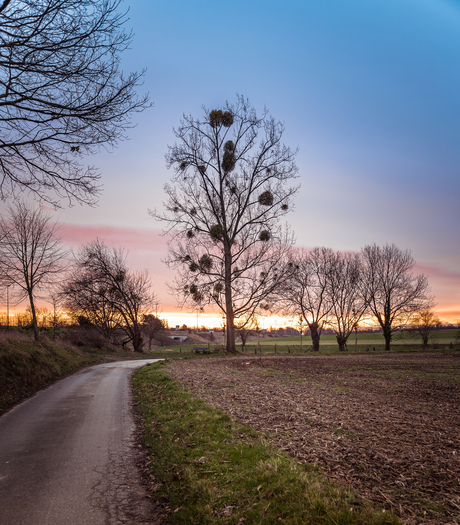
[{"x": 369, "y": 92}]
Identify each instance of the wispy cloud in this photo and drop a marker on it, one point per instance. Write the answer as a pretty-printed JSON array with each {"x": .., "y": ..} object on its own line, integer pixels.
[
  {"x": 146, "y": 250},
  {"x": 128, "y": 238}
]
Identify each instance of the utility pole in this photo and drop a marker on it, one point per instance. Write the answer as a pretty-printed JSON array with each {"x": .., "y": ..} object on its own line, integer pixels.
[
  {"x": 356, "y": 330},
  {"x": 301, "y": 330}
]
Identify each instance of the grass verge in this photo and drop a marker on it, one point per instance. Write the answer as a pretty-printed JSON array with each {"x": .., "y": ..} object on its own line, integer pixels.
[{"x": 213, "y": 470}]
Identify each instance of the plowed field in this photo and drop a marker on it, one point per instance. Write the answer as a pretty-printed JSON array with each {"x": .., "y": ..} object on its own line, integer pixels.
[{"x": 387, "y": 426}]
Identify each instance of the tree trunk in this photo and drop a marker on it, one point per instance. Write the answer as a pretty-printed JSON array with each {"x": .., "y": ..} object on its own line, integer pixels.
[
  {"x": 315, "y": 332},
  {"x": 425, "y": 335},
  {"x": 387, "y": 335},
  {"x": 137, "y": 341},
  {"x": 230, "y": 317},
  {"x": 34, "y": 316},
  {"x": 342, "y": 342},
  {"x": 386, "y": 326},
  {"x": 244, "y": 337},
  {"x": 231, "y": 347}
]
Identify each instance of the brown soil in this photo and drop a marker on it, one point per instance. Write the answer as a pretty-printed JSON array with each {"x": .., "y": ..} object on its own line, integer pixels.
[{"x": 387, "y": 426}]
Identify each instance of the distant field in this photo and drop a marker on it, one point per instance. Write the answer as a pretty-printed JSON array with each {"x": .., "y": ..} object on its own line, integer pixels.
[
  {"x": 441, "y": 341},
  {"x": 442, "y": 337}
]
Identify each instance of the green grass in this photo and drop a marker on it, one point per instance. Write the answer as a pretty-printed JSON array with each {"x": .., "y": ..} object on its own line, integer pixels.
[
  {"x": 213, "y": 470},
  {"x": 442, "y": 337}
]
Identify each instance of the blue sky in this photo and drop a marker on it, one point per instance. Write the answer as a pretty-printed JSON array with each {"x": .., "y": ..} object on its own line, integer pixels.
[{"x": 368, "y": 90}]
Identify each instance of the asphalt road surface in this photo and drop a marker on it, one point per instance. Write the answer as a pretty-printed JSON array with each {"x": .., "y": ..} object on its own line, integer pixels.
[{"x": 67, "y": 454}]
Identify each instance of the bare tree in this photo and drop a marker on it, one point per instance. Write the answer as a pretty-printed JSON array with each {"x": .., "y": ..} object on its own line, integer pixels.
[
  {"x": 392, "y": 291},
  {"x": 32, "y": 257},
  {"x": 152, "y": 324},
  {"x": 244, "y": 326},
  {"x": 87, "y": 303},
  {"x": 62, "y": 94},
  {"x": 346, "y": 297},
  {"x": 306, "y": 291},
  {"x": 424, "y": 322},
  {"x": 223, "y": 210},
  {"x": 103, "y": 289}
]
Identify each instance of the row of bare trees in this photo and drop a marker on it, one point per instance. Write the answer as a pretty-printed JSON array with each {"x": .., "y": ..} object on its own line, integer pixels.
[
  {"x": 328, "y": 288},
  {"x": 338, "y": 289},
  {"x": 95, "y": 285}
]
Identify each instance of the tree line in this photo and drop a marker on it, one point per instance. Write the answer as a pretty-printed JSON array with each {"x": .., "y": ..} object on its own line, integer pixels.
[{"x": 337, "y": 290}]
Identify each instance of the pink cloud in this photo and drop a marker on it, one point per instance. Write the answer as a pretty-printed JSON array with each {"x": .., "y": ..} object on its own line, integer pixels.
[
  {"x": 129, "y": 238},
  {"x": 437, "y": 272},
  {"x": 46, "y": 207},
  {"x": 146, "y": 250}
]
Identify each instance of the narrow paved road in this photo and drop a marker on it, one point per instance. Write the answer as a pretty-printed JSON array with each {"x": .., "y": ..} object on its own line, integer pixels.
[{"x": 66, "y": 454}]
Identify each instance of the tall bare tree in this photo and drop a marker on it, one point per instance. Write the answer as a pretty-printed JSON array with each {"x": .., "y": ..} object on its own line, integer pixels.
[
  {"x": 345, "y": 294},
  {"x": 224, "y": 207},
  {"x": 103, "y": 289},
  {"x": 392, "y": 291},
  {"x": 62, "y": 94},
  {"x": 306, "y": 291},
  {"x": 32, "y": 257}
]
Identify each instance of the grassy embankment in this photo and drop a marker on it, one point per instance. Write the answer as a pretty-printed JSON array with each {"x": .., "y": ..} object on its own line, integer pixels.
[
  {"x": 27, "y": 366},
  {"x": 213, "y": 470}
]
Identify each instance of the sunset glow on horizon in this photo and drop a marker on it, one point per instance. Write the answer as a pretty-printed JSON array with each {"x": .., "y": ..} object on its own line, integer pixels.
[{"x": 214, "y": 320}]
